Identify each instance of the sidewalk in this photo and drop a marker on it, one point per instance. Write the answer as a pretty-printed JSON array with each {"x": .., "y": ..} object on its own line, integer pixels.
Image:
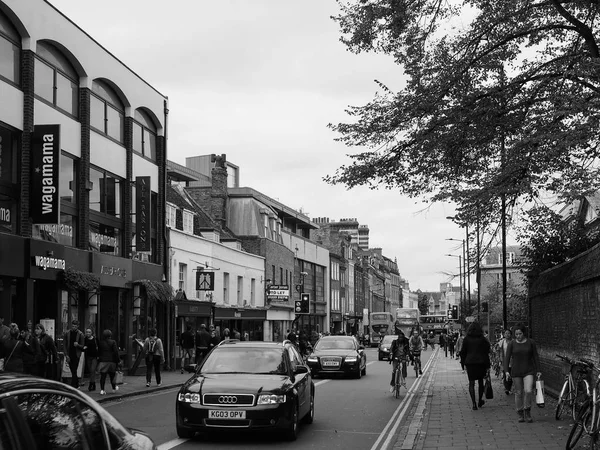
[
  {"x": 136, "y": 385},
  {"x": 444, "y": 418}
]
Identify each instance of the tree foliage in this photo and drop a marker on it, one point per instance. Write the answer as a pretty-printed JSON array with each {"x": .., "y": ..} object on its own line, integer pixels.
[
  {"x": 423, "y": 304},
  {"x": 501, "y": 100},
  {"x": 547, "y": 240},
  {"x": 516, "y": 303}
]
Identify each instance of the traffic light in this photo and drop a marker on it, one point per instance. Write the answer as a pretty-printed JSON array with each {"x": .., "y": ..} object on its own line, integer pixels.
[
  {"x": 302, "y": 306},
  {"x": 450, "y": 314},
  {"x": 455, "y": 312}
]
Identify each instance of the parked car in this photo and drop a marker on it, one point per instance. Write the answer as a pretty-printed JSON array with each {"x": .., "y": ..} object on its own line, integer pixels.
[
  {"x": 36, "y": 413},
  {"x": 247, "y": 385},
  {"x": 383, "y": 351},
  {"x": 338, "y": 355}
]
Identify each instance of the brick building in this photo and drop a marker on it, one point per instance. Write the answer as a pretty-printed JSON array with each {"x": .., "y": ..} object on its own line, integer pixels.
[{"x": 82, "y": 170}]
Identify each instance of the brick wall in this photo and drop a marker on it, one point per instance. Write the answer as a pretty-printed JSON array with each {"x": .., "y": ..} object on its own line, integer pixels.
[
  {"x": 83, "y": 199},
  {"x": 565, "y": 313},
  {"x": 27, "y": 84}
]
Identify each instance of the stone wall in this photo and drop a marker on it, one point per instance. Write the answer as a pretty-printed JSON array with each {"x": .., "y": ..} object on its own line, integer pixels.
[{"x": 565, "y": 313}]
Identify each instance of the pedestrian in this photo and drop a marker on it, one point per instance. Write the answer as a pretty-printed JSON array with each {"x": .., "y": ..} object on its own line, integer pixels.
[
  {"x": 458, "y": 347},
  {"x": 236, "y": 334},
  {"x": 202, "y": 343},
  {"x": 443, "y": 343},
  {"x": 108, "y": 360},
  {"x": 187, "y": 343},
  {"x": 73, "y": 345},
  {"x": 155, "y": 356},
  {"x": 214, "y": 338},
  {"x": 502, "y": 347},
  {"x": 523, "y": 360},
  {"x": 475, "y": 355},
  {"x": 32, "y": 351},
  {"x": 226, "y": 334},
  {"x": 4, "y": 331},
  {"x": 451, "y": 341},
  {"x": 90, "y": 348},
  {"x": 12, "y": 350},
  {"x": 51, "y": 353},
  {"x": 292, "y": 337}
]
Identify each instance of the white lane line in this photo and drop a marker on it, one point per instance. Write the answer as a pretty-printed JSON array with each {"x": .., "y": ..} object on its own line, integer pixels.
[
  {"x": 171, "y": 444},
  {"x": 390, "y": 428}
]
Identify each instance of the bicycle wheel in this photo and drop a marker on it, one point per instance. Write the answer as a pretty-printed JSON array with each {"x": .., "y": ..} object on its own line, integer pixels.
[
  {"x": 563, "y": 400},
  {"x": 580, "y": 399},
  {"x": 397, "y": 383},
  {"x": 577, "y": 431}
]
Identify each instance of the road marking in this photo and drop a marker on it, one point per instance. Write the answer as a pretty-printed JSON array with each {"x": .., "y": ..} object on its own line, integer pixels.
[
  {"x": 389, "y": 431},
  {"x": 171, "y": 444}
]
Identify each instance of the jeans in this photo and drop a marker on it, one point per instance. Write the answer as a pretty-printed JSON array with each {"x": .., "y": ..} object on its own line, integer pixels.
[
  {"x": 92, "y": 362},
  {"x": 523, "y": 391},
  {"x": 395, "y": 364},
  {"x": 73, "y": 365},
  {"x": 153, "y": 363}
]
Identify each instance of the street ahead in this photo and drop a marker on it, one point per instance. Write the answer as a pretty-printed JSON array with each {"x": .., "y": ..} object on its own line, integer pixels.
[{"x": 349, "y": 414}]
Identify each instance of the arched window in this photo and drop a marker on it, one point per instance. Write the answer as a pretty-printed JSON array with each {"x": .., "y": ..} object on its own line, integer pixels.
[
  {"x": 144, "y": 135},
  {"x": 107, "y": 111},
  {"x": 10, "y": 51},
  {"x": 56, "y": 80}
]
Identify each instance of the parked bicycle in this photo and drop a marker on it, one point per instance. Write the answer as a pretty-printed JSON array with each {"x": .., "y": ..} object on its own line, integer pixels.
[
  {"x": 588, "y": 420},
  {"x": 399, "y": 375},
  {"x": 576, "y": 389}
]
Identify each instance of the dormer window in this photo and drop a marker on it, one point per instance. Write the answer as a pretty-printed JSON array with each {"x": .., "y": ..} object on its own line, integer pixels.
[
  {"x": 188, "y": 222},
  {"x": 171, "y": 216}
]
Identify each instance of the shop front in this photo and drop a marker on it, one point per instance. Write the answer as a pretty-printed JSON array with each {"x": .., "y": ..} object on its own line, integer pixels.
[
  {"x": 336, "y": 323},
  {"x": 249, "y": 322},
  {"x": 191, "y": 313},
  {"x": 279, "y": 322}
]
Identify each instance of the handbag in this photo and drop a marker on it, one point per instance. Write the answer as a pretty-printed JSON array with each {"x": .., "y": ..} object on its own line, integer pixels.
[
  {"x": 119, "y": 377},
  {"x": 539, "y": 392},
  {"x": 489, "y": 392}
]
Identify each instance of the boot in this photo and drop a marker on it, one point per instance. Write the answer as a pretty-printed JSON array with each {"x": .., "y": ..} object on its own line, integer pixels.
[
  {"x": 527, "y": 415},
  {"x": 521, "y": 415},
  {"x": 91, "y": 387}
]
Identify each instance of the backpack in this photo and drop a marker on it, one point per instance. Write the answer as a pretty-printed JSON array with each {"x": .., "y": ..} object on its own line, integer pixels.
[{"x": 151, "y": 346}]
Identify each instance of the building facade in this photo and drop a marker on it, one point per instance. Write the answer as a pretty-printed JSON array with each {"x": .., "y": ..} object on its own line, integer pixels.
[{"x": 82, "y": 151}]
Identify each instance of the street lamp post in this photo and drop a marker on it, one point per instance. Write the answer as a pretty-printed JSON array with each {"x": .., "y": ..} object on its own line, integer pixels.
[{"x": 459, "y": 281}]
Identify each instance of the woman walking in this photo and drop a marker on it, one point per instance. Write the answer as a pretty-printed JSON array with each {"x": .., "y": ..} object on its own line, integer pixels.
[
  {"x": 521, "y": 363},
  {"x": 47, "y": 367},
  {"x": 458, "y": 347},
  {"x": 502, "y": 347},
  {"x": 12, "y": 350},
  {"x": 108, "y": 358},
  {"x": 90, "y": 348},
  {"x": 475, "y": 355},
  {"x": 155, "y": 356},
  {"x": 32, "y": 351}
]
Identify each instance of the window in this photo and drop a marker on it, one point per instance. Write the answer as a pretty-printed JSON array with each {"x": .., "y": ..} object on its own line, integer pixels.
[
  {"x": 56, "y": 80},
  {"x": 10, "y": 51},
  {"x": 68, "y": 179},
  {"x": 281, "y": 275},
  {"x": 188, "y": 222},
  {"x": 144, "y": 135},
  {"x": 252, "y": 291},
  {"x": 105, "y": 239},
  {"x": 105, "y": 196},
  {"x": 273, "y": 274},
  {"x": 225, "y": 288},
  {"x": 171, "y": 215},
  {"x": 240, "y": 291},
  {"x": 107, "y": 111},
  {"x": 182, "y": 276}
]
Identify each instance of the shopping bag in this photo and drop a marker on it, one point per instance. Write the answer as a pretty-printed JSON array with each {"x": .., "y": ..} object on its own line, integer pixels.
[
  {"x": 119, "y": 377},
  {"x": 539, "y": 393},
  {"x": 80, "y": 367},
  {"x": 489, "y": 392}
]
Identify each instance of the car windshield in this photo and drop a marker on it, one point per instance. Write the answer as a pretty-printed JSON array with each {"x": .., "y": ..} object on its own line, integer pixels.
[
  {"x": 387, "y": 340},
  {"x": 245, "y": 360},
  {"x": 328, "y": 344}
]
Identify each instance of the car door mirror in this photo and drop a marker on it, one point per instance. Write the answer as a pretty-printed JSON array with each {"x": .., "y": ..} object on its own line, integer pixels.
[{"x": 300, "y": 369}]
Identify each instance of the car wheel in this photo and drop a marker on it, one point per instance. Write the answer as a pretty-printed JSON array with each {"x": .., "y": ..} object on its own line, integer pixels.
[
  {"x": 292, "y": 432},
  {"x": 184, "y": 433},
  {"x": 310, "y": 415}
]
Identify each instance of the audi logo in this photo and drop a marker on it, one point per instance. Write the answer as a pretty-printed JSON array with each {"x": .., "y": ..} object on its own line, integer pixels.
[{"x": 229, "y": 399}]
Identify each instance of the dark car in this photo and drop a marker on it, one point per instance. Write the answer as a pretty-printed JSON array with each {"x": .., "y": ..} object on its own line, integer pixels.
[
  {"x": 36, "y": 413},
  {"x": 338, "y": 355},
  {"x": 383, "y": 351},
  {"x": 247, "y": 385}
]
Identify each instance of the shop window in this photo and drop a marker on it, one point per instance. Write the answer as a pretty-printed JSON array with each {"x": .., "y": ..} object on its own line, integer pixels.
[
  {"x": 56, "y": 80},
  {"x": 10, "y": 51},
  {"x": 144, "y": 135},
  {"x": 64, "y": 233},
  {"x": 107, "y": 111},
  {"x": 105, "y": 196},
  {"x": 105, "y": 239}
]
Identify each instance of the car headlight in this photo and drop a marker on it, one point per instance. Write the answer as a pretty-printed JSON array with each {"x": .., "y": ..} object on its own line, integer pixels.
[
  {"x": 270, "y": 399},
  {"x": 188, "y": 397},
  {"x": 385, "y": 349},
  {"x": 312, "y": 359},
  {"x": 351, "y": 359}
]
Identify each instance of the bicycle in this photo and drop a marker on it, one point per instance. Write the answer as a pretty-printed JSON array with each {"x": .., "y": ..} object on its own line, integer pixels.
[
  {"x": 576, "y": 389},
  {"x": 417, "y": 362},
  {"x": 588, "y": 420},
  {"x": 399, "y": 375}
]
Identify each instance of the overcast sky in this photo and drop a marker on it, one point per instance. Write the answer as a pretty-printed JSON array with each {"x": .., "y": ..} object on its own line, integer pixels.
[{"x": 259, "y": 80}]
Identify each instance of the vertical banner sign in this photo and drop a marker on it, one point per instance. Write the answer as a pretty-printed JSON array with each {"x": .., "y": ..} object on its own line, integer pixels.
[
  {"x": 142, "y": 214},
  {"x": 45, "y": 164}
]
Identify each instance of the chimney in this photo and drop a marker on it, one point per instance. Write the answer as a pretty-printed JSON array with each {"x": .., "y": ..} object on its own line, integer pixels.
[{"x": 218, "y": 194}]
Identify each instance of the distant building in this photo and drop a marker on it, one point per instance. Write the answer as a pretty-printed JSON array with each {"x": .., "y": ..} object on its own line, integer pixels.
[
  {"x": 358, "y": 233},
  {"x": 491, "y": 269}
]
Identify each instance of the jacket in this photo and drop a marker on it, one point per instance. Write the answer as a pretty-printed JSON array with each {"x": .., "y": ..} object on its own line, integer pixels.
[
  {"x": 67, "y": 342},
  {"x": 108, "y": 351},
  {"x": 399, "y": 348},
  {"x": 475, "y": 350},
  {"x": 158, "y": 348}
]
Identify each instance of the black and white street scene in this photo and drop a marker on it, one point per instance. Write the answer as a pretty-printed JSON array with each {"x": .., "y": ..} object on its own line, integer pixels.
[{"x": 327, "y": 224}]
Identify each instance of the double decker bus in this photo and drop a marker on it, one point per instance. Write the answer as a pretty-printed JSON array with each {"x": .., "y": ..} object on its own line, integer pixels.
[
  {"x": 407, "y": 319},
  {"x": 380, "y": 324},
  {"x": 435, "y": 323}
]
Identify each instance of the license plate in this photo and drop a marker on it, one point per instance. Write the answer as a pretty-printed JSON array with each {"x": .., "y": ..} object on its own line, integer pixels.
[
  {"x": 226, "y": 414},
  {"x": 330, "y": 363}
]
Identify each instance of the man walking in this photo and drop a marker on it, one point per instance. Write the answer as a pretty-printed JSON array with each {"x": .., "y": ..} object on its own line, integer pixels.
[
  {"x": 202, "y": 343},
  {"x": 187, "y": 346},
  {"x": 73, "y": 342}
]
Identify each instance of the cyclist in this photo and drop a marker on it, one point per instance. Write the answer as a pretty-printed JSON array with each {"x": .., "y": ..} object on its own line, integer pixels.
[
  {"x": 399, "y": 352},
  {"x": 416, "y": 346}
]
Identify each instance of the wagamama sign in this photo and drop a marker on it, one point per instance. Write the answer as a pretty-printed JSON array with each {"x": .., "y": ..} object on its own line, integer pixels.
[{"x": 45, "y": 163}]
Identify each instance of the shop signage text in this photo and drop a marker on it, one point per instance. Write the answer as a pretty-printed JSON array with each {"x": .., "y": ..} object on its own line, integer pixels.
[
  {"x": 4, "y": 215},
  {"x": 113, "y": 271},
  {"x": 47, "y": 262},
  {"x": 278, "y": 293},
  {"x": 142, "y": 214},
  {"x": 45, "y": 159}
]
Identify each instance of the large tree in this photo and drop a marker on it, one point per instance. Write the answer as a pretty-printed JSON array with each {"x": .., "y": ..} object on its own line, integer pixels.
[{"x": 500, "y": 101}]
